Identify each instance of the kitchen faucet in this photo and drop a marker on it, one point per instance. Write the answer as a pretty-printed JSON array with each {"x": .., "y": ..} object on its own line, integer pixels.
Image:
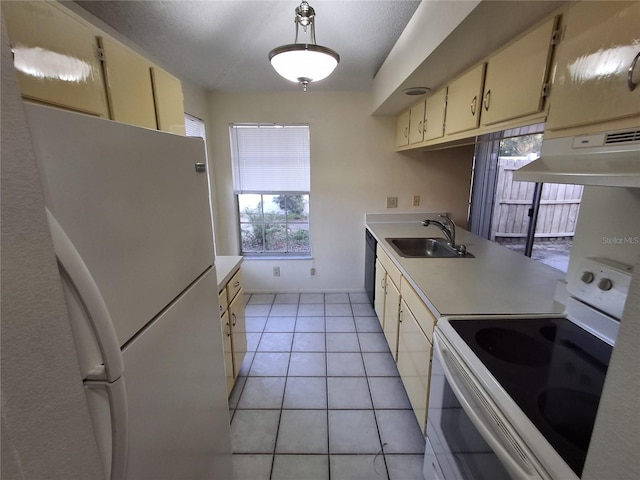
[{"x": 447, "y": 226}]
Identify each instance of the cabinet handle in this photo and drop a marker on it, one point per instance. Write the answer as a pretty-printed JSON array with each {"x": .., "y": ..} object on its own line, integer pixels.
[
  {"x": 237, "y": 284},
  {"x": 420, "y": 126},
  {"x": 406, "y": 132},
  {"x": 233, "y": 315},
  {"x": 486, "y": 100},
  {"x": 201, "y": 167},
  {"x": 227, "y": 329},
  {"x": 630, "y": 83},
  {"x": 474, "y": 104}
]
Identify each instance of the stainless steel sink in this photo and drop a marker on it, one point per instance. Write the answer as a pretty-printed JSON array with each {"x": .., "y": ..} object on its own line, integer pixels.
[{"x": 426, "y": 248}]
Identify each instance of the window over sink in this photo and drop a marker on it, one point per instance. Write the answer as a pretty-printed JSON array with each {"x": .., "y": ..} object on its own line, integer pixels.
[{"x": 271, "y": 179}]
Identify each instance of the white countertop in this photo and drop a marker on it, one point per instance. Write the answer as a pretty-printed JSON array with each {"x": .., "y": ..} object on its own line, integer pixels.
[
  {"x": 226, "y": 266},
  {"x": 496, "y": 281}
]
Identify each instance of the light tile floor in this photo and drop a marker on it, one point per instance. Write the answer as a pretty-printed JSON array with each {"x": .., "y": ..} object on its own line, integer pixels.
[{"x": 319, "y": 396}]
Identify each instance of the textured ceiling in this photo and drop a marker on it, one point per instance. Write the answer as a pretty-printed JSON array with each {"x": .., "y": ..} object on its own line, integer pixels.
[{"x": 223, "y": 45}]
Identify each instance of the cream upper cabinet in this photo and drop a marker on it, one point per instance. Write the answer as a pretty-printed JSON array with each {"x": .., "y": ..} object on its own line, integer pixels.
[
  {"x": 402, "y": 129},
  {"x": 464, "y": 100},
  {"x": 169, "y": 102},
  {"x": 414, "y": 363},
  {"x": 515, "y": 76},
  {"x": 416, "y": 123},
  {"x": 129, "y": 89},
  {"x": 56, "y": 57},
  {"x": 434, "y": 115},
  {"x": 596, "y": 72}
]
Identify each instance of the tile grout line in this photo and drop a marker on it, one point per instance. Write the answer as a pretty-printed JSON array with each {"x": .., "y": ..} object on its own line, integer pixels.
[
  {"x": 373, "y": 410},
  {"x": 275, "y": 443},
  {"x": 326, "y": 383}
]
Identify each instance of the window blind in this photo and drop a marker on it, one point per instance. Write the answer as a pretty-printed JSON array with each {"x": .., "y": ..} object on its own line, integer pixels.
[
  {"x": 194, "y": 127},
  {"x": 270, "y": 158}
]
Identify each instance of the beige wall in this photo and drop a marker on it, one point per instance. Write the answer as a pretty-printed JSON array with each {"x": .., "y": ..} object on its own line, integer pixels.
[{"x": 353, "y": 169}]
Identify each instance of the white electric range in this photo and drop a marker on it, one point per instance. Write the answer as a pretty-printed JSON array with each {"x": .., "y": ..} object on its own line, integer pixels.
[{"x": 516, "y": 396}]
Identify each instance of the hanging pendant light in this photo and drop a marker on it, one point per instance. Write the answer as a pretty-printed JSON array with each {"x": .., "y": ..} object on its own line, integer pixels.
[{"x": 304, "y": 63}]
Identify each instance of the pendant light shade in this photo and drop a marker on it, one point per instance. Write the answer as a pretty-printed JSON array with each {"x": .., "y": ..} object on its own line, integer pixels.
[{"x": 304, "y": 62}]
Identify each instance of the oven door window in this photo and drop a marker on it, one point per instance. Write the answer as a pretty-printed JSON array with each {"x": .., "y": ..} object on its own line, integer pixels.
[{"x": 459, "y": 450}]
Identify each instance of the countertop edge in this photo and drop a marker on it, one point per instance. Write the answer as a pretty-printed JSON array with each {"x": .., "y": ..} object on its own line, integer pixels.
[{"x": 226, "y": 267}]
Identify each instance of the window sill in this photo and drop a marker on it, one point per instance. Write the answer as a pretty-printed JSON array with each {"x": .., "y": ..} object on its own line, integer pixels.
[{"x": 276, "y": 257}]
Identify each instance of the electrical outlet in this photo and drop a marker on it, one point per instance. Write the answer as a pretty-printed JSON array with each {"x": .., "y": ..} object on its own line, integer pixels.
[
  {"x": 416, "y": 200},
  {"x": 312, "y": 271},
  {"x": 276, "y": 271},
  {"x": 392, "y": 202}
]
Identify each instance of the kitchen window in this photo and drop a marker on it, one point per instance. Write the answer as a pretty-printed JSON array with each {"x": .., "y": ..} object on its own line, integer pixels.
[{"x": 271, "y": 180}]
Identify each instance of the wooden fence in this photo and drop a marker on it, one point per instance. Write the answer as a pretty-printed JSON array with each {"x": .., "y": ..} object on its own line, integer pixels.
[{"x": 558, "y": 212}]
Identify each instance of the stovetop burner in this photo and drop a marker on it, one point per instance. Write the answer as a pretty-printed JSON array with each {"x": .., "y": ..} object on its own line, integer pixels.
[
  {"x": 513, "y": 346},
  {"x": 553, "y": 369}
]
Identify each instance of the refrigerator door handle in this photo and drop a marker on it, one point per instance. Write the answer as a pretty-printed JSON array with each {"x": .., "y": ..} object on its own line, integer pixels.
[
  {"x": 114, "y": 453},
  {"x": 79, "y": 277}
]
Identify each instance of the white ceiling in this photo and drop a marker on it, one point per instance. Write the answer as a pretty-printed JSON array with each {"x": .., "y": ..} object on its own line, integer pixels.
[{"x": 223, "y": 45}]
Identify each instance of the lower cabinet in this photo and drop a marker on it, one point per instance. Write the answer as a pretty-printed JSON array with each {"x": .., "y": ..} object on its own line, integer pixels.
[
  {"x": 228, "y": 350},
  {"x": 233, "y": 324},
  {"x": 238, "y": 332},
  {"x": 414, "y": 363},
  {"x": 387, "y": 298},
  {"x": 391, "y": 314},
  {"x": 379, "y": 296},
  {"x": 408, "y": 327}
]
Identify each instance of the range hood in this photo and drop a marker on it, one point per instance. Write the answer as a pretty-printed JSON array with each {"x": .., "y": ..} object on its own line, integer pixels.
[{"x": 606, "y": 158}]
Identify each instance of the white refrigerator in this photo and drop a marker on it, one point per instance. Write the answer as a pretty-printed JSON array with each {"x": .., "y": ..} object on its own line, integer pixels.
[{"x": 130, "y": 217}]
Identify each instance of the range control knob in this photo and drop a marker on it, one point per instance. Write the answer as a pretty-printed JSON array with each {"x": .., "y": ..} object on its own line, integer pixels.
[
  {"x": 605, "y": 284},
  {"x": 587, "y": 277}
]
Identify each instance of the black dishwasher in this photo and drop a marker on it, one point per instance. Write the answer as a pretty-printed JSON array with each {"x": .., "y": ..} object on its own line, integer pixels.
[{"x": 370, "y": 266}]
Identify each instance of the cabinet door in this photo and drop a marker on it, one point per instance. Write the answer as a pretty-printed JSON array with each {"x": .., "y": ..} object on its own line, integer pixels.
[
  {"x": 238, "y": 332},
  {"x": 592, "y": 65},
  {"x": 414, "y": 358},
  {"x": 402, "y": 129},
  {"x": 222, "y": 301},
  {"x": 225, "y": 324},
  {"x": 129, "y": 88},
  {"x": 516, "y": 76},
  {"x": 391, "y": 311},
  {"x": 169, "y": 102},
  {"x": 464, "y": 101},
  {"x": 416, "y": 123},
  {"x": 379, "y": 298},
  {"x": 55, "y": 56},
  {"x": 434, "y": 115}
]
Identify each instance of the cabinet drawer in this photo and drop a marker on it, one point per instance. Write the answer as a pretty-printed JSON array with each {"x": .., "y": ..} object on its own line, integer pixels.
[
  {"x": 389, "y": 266},
  {"x": 222, "y": 300},
  {"x": 234, "y": 286},
  {"x": 422, "y": 314}
]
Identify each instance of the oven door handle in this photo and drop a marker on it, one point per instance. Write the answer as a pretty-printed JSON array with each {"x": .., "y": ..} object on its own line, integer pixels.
[{"x": 516, "y": 463}]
